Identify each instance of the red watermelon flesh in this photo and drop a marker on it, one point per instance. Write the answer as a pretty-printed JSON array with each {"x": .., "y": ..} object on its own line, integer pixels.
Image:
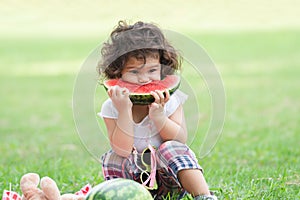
[{"x": 168, "y": 82}]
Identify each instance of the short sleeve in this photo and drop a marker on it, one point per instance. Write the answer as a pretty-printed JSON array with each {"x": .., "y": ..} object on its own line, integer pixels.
[
  {"x": 178, "y": 98},
  {"x": 108, "y": 110}
]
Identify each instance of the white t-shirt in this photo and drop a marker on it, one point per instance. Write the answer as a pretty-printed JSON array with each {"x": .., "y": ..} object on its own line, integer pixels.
[{"x": 145, "y": 131}]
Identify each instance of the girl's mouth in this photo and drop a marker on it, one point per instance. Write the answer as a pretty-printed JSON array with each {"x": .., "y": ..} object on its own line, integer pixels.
[{"x": 144, "y": 83}]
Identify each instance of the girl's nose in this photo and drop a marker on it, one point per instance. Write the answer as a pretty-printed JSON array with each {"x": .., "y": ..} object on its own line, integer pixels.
[{"x": 143, "y": 78}]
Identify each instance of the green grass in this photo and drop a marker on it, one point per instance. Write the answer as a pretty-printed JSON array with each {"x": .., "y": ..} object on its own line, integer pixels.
[{"x": 257, "y": 156}]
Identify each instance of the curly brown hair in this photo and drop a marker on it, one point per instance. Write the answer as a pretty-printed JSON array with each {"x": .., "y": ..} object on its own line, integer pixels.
[{"x": 140, "y": 40}]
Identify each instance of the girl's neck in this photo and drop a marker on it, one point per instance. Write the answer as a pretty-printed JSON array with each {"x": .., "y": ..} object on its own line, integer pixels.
[{"x": 139, "y": 112}]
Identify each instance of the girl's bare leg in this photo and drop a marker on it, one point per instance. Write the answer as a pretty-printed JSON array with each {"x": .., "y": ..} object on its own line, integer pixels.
[{"x": 193, "y": 181}]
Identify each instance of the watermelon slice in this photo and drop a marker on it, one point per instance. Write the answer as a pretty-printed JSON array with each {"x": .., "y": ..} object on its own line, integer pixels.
[{"x": 140, "y": 94}]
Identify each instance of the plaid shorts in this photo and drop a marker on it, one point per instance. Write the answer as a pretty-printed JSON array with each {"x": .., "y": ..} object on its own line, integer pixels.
[{"x": 171, "y": 156}]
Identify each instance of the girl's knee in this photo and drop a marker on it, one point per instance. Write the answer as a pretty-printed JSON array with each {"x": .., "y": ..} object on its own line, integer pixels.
[
  {"x": 111, "y": 157},
  {"x": 174, "y": 150},
  {"x": 171, "y": 144},
  {"x": 115, "y": 166},
  {"x": 170, "y": 149}
]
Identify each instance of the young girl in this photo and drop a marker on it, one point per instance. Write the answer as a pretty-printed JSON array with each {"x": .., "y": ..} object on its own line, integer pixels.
[{"x": 147, "y": 141}]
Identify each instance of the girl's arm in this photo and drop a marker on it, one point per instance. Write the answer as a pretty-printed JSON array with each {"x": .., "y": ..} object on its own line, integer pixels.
[
  {"x": 170, "y": 128},
  {"x": 173, "y": 127},
  {"x": 120, "y": 130},
  {"x": 120, "y": 134}
]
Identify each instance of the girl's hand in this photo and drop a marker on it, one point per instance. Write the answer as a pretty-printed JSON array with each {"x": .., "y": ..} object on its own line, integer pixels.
[
  {"x": 156, "y": 109},
  {"x": 120, "y": 98}
]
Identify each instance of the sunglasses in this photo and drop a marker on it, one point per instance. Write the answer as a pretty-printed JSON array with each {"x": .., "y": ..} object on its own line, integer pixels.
[{"x": 148, "y": 174}]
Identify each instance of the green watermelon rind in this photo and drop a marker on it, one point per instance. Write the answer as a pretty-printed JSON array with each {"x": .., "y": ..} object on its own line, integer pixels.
[
  {"x": 146, "y": 98},
  {"x": 120, "y": 189}
]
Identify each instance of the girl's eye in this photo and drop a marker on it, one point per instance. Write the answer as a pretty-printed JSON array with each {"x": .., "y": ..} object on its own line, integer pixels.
[
  {"x": 152, "y": 70},
  {"x": 134, "y": 71}
]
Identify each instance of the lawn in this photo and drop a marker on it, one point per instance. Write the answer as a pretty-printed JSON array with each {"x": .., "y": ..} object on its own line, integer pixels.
[{"x": 256, "y": 156}]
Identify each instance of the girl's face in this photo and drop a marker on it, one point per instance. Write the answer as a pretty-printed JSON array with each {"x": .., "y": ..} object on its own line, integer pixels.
[{"x": 139, "y": 72}]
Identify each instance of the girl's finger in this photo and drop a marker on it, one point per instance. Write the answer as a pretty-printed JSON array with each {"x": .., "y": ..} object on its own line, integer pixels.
[
  {"x": 161, "y": 96},
  {"x": 156, "y": 97},
  {"x": 114, "y": 90},
  {"x": 167, "y": 95},
  {"x": 126, "y": 92},
  {"x": 109, "y": 92}
]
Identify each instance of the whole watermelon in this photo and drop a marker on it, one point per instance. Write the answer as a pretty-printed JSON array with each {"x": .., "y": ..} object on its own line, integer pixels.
[{"x": 119, "y": 189}]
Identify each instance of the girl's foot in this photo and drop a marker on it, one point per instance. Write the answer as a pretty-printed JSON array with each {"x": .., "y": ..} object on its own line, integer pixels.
[{"x": 206, "y": 197}]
